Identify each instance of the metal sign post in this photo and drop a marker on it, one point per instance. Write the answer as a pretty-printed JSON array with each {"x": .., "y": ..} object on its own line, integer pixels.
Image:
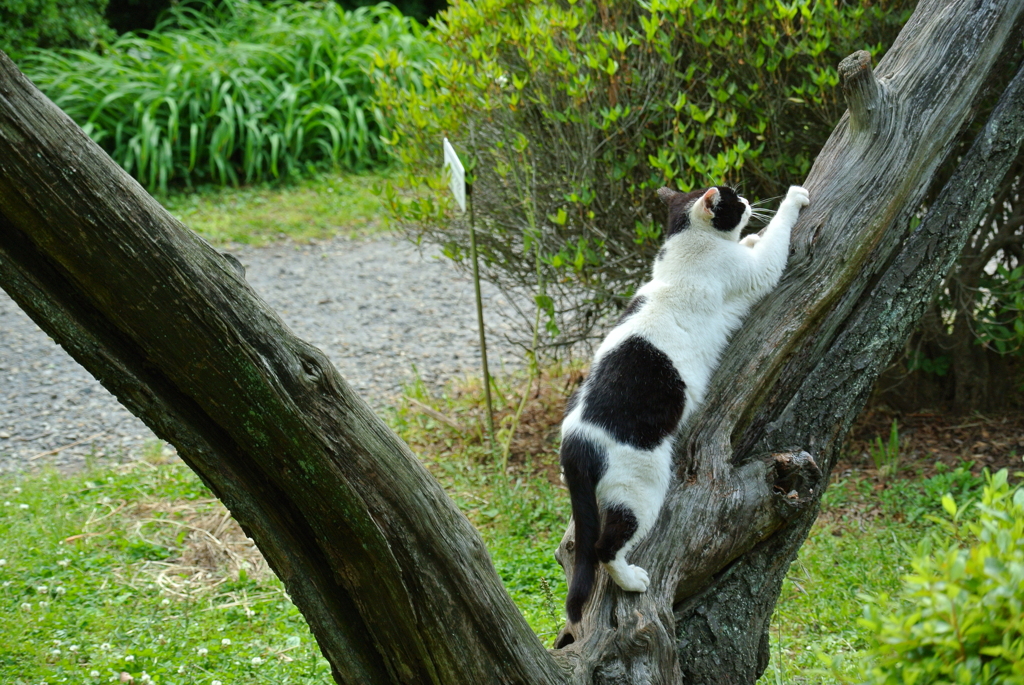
[{"x": 457, "y": 182}]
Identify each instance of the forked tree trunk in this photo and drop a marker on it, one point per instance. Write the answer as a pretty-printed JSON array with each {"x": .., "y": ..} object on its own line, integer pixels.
[{"x": 393, "y": 580}]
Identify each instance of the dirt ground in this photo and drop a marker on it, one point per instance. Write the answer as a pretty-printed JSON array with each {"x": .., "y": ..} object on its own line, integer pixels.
[{"x": 992, "y": 441}]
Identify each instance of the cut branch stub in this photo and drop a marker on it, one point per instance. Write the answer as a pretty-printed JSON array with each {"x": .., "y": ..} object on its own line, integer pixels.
[
  {"x": 863, "y": 91},
  {"x": 797, "y": 482}
]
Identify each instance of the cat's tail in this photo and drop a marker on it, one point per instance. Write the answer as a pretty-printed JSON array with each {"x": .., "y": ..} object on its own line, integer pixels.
[{"x": 582, "y": 464}]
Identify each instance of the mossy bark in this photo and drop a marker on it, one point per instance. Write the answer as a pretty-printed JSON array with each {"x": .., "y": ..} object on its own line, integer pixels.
[{"x": 393, "y": 580}]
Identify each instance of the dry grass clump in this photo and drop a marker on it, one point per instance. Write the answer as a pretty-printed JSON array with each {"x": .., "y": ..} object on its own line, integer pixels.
[
  {"x": 208, "y": 547},
  {"x": 931, "y": 441},
  {"x": 454, "y": 424}
]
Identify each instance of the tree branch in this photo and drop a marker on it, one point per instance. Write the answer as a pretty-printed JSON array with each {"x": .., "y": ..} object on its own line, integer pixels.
[
  {"x": 863, "y": 92},
  {"x": 394, "y": 581}
]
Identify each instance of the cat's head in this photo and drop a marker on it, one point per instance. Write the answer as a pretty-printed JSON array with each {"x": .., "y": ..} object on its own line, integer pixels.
[{"x": 719, "y": 209}]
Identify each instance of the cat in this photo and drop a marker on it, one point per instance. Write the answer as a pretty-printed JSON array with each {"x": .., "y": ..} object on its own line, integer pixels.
[{"x": 650, "y": 373}]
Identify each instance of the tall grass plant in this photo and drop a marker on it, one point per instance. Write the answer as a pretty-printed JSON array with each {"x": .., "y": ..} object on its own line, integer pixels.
[{"x": 234, "y": 92}]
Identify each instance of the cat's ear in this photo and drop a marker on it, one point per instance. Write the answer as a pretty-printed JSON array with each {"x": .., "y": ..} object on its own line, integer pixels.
[
  {"x": 708, "y": 201},
  {"x": 666, "y": 194}
]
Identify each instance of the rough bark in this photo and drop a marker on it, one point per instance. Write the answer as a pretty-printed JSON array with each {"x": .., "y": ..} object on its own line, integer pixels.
[
  {"x": 969, "y": 376},
  {"x": 392, "y": 578}
]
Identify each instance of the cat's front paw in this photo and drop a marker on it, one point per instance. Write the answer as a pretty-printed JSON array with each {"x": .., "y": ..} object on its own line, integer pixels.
[
  {"x": 798, "y": 196},
  {"x": 750, "y": 240},
  {"x": 632, "y": 579}
]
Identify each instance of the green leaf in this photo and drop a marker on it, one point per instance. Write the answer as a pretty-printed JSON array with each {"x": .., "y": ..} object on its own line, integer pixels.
[{"x": 949, "y": 504}]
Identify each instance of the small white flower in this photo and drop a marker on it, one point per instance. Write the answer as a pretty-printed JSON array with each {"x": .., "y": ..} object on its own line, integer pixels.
[
  {"x": 256, "y": 661},
  {"x": 202, "y": 651},
  {"x": 164, "y": 602},
  {"x": 57, "y": 643},
  {"x": 214, "y": 682},
  {"x": 44, "y": 605},
  {"x": 249, "y": 613},
  {"x": 23, "y": 506},
  {"x": 42, "y": 589},
  {"x": 55, "y": 652},
  {"x": 3, "y": 562},
  {"x": 145, "y": 677},
  {"x": 60, "y": 590},
  {"x": 7, "y": 504},
  {"x": 94, "y": 674},
  {"x": 129, "y": 657},
  {"x": 73, "y": 648},
  {"x": 26, "y": 607},
  {"x": 7, "y": 583},
  {"x": 63, "y": 562},
  {"x": 225, "y": 642},
  {"x": 181, "y": 669},
  {"x": 17, "y": 491},
  {"x": 105, "y": 646}
]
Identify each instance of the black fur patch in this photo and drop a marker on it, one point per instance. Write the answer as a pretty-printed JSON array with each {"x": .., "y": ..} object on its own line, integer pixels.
[
  {"x": 583, "y": 464},
  {"x": 634, "y": 306},
  {"x": 619, "y": 527},
  {"x": 636, "y": 394},
  {"x": 729, "y": 209},
  {"x": 679, "y": 206},
  {"x": 581, "y": 460}
]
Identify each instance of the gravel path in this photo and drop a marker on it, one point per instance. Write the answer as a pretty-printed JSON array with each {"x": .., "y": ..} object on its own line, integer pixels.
[{"x": 376, "y": 307}]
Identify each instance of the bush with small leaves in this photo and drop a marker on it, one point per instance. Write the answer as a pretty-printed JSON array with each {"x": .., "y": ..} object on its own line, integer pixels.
[
  {"x": 959, "y": 617},
  {"x": 570, "y": 115},
  {"x": 26, "y": 24}
]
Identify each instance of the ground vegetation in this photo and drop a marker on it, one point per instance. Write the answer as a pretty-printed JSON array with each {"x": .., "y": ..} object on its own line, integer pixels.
[
  {"x": 235, "y": 92},
  {"x": 26, "y": 24}
]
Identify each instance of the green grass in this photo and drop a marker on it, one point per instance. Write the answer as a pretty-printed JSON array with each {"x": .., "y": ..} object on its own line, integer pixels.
[
  {"x": 236, "y": 92},
  {"x": 94, "y": 581},
  {"x": 861, "y": 544},
  {"x": 318, "y": 207},
  {"x": 98, "y": 561}
]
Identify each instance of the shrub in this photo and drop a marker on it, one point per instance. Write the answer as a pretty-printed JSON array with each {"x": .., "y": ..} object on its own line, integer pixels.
[
  {"x": 571, "y": 114},
  {"x": 26, "y": 24},
  {"x": 234, "y": 91},
  {"x": 960, "y": 615}
]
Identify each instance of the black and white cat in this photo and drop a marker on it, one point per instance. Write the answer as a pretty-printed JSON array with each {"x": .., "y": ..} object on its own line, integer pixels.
[{"x": 651, "y": 372}]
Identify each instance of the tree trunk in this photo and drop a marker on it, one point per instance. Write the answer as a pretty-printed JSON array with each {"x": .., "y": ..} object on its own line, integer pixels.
[
  {"x": 393, "y": 580},
  {"x": 752, "y": 469}
]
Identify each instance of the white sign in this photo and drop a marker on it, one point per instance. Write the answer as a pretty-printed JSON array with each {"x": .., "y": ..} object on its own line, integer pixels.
[{"x": 457, "y": 174}]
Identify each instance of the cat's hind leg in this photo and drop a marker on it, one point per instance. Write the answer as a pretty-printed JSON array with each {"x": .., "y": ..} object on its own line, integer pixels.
[{"x": 620, "y": 534}]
